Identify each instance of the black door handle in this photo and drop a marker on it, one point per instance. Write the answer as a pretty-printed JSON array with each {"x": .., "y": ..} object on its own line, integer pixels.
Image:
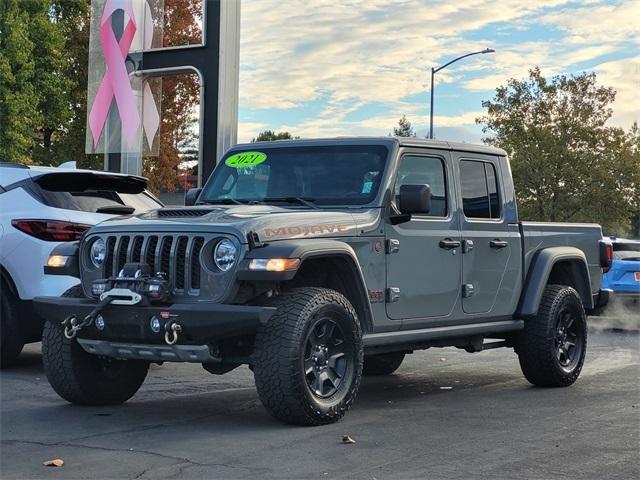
[
  {"x": 497, "y": 243},
  {"x": 449, "y": 244}
]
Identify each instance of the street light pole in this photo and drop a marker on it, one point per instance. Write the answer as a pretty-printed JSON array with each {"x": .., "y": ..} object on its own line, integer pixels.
[{"x": 436, "y": 70}]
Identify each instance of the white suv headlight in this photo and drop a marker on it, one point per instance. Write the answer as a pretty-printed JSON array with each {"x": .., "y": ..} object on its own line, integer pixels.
[{"x": 224, "y": 254}]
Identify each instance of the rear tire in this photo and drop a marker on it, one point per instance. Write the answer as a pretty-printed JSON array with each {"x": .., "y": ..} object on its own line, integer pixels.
[
  {"x": 85, "y": 379},
  {"x": 552, "y": 346},
  {"x": 11, "y": 339},
  {"x": 383, "y": 364},
  {"x": 308, "y": 357}
]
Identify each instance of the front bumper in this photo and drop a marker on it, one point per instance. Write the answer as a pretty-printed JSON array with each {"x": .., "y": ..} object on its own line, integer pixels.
[{"x": 201, "y": 323}]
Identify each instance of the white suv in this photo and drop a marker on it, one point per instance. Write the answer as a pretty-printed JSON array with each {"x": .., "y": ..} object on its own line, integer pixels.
[{"x": 40, "y": 209}]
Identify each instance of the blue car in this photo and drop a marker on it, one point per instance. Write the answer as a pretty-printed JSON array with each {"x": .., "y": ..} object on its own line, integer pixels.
[{"x": 623, "y": 278}]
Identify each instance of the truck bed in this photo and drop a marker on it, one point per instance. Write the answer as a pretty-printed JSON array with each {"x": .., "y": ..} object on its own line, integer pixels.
[{"x": 583, "y": 236}]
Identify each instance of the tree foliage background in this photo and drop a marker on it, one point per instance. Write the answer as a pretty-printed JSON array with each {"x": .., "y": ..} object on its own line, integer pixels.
[
  {"x": 180, "y": 96},
  {"x": 568, "y": 164},
  {"x": 43, "y": 71},
  {"x": 270, "y": 136}
]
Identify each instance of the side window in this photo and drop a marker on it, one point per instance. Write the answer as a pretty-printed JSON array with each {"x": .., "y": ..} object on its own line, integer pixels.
[
  {"x": 492, "y": 187},
  {"x": 425, "y": 170},
  {"x": 480, "y": 197}
]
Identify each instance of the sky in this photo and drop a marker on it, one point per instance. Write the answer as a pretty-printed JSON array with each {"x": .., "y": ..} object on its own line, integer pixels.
[{"x": 323, "y": 68}]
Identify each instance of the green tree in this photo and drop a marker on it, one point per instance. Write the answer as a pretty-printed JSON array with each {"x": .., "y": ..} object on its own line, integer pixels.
[
  {"x": 53, "y": 81},
  {"x": 633, "y": 150},
  {"x": 404, "y": 128},
  {"x": 73, "y": 16},
  {"x": 270, "y": 136},
  {"x": 42, "y": 78},
  {"x": 19, "y": 114},
  {"x": 567, "y": 164}
]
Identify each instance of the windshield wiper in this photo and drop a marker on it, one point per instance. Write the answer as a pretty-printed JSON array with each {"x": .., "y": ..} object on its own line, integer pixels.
[
  {"x": 307, "y": 201},
  {"x": 221, "y": 201}
]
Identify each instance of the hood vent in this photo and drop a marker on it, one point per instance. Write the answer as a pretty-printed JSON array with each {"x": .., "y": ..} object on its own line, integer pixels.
[{"x": 183, "y": 212}]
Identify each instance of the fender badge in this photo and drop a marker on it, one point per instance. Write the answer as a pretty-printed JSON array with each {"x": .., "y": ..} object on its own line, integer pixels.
[{"x": 376, "y": 296}]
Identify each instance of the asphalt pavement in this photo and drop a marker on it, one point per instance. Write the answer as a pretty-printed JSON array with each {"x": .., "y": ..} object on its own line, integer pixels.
[{"x": 445, "y": 414}]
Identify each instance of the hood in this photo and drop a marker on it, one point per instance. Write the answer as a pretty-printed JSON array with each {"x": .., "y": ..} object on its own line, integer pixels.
[{"x": 269, "y": 222}]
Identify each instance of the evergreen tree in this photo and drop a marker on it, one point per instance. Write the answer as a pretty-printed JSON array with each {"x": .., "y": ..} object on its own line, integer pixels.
[{"x": 404, "y": 128}]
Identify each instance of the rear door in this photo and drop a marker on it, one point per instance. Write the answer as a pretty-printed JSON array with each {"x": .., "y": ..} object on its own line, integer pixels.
[
  {"x": 426, "y": 275},
  {"x": 488, "y": 241}
]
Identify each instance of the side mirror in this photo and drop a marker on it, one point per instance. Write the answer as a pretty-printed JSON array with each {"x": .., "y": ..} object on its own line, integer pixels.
[
  {"x": 191, "y": 196},
  {"x": 414, "y": 199}
]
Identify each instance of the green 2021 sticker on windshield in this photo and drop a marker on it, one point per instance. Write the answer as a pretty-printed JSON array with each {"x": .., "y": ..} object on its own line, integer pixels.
[{"x": 245, "y": 159}]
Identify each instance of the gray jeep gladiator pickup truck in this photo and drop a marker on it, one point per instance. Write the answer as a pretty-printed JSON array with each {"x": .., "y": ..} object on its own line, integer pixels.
[{"x": 317, "y": 261}]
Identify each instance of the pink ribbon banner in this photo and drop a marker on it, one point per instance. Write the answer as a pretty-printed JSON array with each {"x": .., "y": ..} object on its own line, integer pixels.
[{"x": 115, "y": 82}]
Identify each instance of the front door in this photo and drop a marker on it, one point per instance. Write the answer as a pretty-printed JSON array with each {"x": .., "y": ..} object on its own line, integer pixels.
[
  {"x": 423, "y": 255},
  {"x": 488, "y": 240}
]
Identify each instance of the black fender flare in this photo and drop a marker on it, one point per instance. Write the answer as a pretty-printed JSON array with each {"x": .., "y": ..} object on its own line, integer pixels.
[
  {"x": 71, "y": 267},
  {"x": 306, "y": 249},
  {"x": 540, "y": 270}
]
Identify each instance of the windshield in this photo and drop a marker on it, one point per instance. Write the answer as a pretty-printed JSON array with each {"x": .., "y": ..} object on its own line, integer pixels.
[{"x": 306, "y": 175}]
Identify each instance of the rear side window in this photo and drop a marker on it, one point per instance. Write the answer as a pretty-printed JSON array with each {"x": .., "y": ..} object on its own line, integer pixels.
[
  {"x": 416, "y": 170},
  {"x": 479, "y": 183}
]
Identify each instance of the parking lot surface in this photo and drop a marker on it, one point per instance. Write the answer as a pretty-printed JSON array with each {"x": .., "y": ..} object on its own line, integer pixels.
[{"x": 445, "y": 414}]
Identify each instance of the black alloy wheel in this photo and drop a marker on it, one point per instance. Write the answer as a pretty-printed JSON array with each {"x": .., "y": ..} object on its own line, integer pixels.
[
  {"x": 327, "y": 364},
  {"x": 568, "y": 340}
]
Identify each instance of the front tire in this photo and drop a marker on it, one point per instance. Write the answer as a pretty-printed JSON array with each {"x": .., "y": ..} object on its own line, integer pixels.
[
  {"x": 85, "y": 379},
  {"x": 308, "y": 357},
  {"x": 552, "y": 346},
  {"x": 383, "y": 364},
  {"x": 11, "y": 340}
]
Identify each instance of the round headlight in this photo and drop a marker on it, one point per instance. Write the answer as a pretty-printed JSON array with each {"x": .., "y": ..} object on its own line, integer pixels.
[
  {"x": 224, "y": 254},
  {"x": 98, "y": 252}
]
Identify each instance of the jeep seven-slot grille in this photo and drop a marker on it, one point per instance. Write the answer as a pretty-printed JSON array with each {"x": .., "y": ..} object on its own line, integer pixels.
[{"x": 176, "y": 255}]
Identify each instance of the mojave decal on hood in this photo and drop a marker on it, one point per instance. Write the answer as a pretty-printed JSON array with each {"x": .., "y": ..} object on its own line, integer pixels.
[{"x": 269, "y": 222}]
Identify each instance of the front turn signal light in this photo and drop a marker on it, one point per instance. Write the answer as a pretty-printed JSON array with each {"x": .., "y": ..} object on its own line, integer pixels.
[
  {"x": 57, "y": 260},
  {"x": 274, "y": 264}
]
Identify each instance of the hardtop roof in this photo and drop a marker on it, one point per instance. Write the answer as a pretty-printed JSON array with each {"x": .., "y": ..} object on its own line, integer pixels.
[{"x": 400, "y": 141}]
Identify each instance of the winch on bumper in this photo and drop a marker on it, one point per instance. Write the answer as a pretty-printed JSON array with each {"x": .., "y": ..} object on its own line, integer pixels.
[{"x": 139, "y": 331}]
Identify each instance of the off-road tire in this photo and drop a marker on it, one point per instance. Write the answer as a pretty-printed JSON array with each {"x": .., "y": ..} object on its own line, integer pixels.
[
  {"x": 535, "y": 345},
  {"x": 85, "y": 379},
  {"x": 278, "y": 363},
  {"x": 383, "y": 364},
  {"x": 11, "y": 339}
]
